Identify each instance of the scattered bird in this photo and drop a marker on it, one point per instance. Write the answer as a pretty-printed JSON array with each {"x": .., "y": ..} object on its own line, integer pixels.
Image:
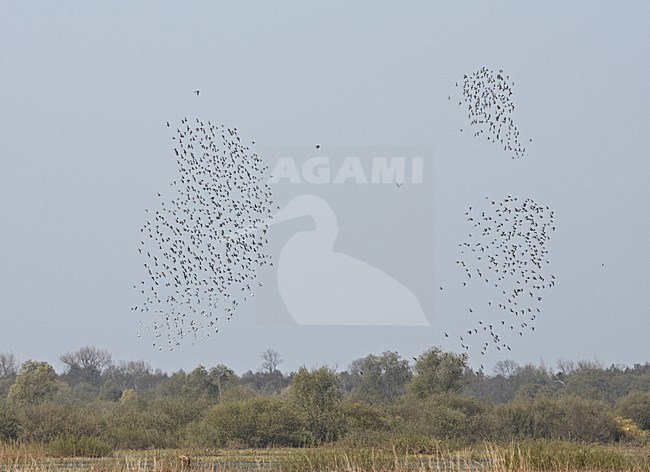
[
  {"x": 197, "y": 92},
  {"x": 508, "y": 248},
  {"x": 317, "y": 146}
]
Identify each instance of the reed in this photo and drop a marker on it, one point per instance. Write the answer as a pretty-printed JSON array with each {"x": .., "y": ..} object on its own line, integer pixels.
[{"x": 526, "y": 456}]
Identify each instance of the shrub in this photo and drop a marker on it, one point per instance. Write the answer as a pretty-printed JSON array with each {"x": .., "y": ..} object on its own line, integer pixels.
[
  {"x": 637, "y": 407},
  {"x": 567, "y": 418},
  {"x": 445, "y": 416},
  {"x": 258, "y": 422},
  {"x": 46, "y": 421},
  {"x": 317, "y": 396},
  {"x": 138, "y": 424},
  {"x": 630, "y": 432},
  {"x": 79, "y": 446},
  {"x": 360, "y": 417},
  {"x": 9, "y": 424}
]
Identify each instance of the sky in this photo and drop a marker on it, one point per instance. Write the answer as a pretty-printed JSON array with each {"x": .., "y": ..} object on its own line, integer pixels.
[{"x": 87, "y": 88}]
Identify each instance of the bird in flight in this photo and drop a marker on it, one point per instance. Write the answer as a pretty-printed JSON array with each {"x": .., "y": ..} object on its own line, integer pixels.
[
  {"x": 488, "y": 97},
  {"x": 318, "y": 146},
  {"x": 508, "y": 250},
  {"x": 197, "y": 92},
  {"x": 201, "y": 259}
]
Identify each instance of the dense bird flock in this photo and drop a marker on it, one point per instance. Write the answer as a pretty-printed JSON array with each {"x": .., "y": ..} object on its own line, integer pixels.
[
  {"x": 506, "y": 252},
  {"x": 505, "y": 255},
  {"x": 203, "y": 247},
  {"x": 488, "y": 97}
]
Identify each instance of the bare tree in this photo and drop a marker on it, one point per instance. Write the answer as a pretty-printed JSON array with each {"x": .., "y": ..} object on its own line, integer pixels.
[
  {"x": 566, "y": 367},
  {"x": 270, "y": 360},
  {"x": 133, "y": 372},
  {"x": 8, "y": 365},
  {"x": 506, "y": 368},
  {"x": 86, "y": 364}
]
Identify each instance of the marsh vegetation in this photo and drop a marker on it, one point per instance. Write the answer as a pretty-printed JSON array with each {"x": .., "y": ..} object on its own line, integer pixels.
[{"x": 383, "y": 413}]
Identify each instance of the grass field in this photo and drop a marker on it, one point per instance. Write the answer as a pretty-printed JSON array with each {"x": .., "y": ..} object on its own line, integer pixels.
[{"x": 524, "y": 456}]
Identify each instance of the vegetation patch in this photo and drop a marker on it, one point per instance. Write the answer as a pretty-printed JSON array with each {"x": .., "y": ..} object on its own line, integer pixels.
[{"x": 79, "y": 446}]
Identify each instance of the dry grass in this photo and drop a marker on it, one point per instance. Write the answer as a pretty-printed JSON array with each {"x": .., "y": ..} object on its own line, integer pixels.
[{"x": 534, "y": 456}]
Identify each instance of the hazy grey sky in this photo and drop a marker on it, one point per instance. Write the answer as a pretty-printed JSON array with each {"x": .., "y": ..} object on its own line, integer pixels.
[{"x": 86, "y": 90}]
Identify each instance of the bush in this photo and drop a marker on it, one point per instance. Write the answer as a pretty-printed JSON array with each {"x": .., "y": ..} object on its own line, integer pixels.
[
  {"x": 630, "y": 431},
  {"x": 258, "y": 422},
  {"x": 446, "y": 417},
  {"x": 568, "y": 418},
  {"x": 9, "y": 424},
  {"x": 637, "y": 407},
  {"x": 134, "y": 423},
  {"x": 79, "y": 446},
  {"x": 46, "y": 421},
  {"x": 317, "y": 396},
  {"x": 362, "y": 418}
]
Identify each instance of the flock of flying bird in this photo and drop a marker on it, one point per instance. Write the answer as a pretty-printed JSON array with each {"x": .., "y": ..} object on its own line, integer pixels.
[
  {"x": 504, "y": 258},
  {"x": 203, "y": 247},
  {"x": 506, "y": 251},
  {"x": 488, "y": 97}
]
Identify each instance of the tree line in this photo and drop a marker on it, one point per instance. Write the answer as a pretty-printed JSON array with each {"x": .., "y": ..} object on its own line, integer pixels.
[{"x": 378, "y": 399}]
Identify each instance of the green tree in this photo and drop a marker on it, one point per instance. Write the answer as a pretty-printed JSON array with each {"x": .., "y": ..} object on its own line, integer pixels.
[
  {"x": 222, "y": 377},
  {"x": 35, "y": 383},
  {"x": 267, "y": 383},
  {"x": 380, "y": 378},
  {"x": 533, "y": 382},
  {"x": 593, "y": 381},
  {"x": 438, "y": 372},
  {"x": 198, "y": 384},
  {"x": 317, "y": 396}
]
